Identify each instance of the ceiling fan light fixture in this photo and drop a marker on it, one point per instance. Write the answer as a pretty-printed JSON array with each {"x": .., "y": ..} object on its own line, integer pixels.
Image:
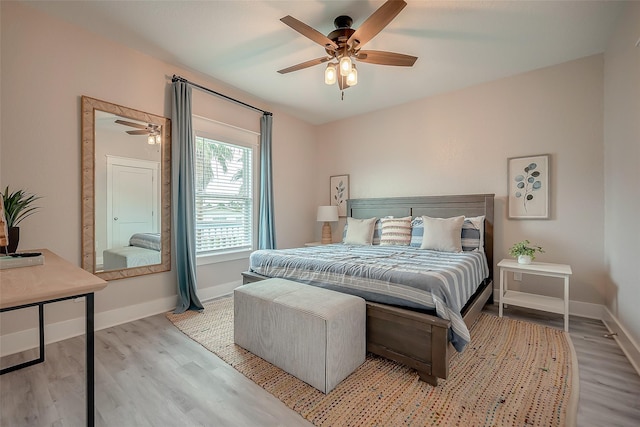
[
  {"x": 158, "y": 139},
  {"x": 151, "y": 140},
  {"x": 345, "y": 65},
  {"x": 352, "y": 78},
  {"x": 330, "y": 74}
]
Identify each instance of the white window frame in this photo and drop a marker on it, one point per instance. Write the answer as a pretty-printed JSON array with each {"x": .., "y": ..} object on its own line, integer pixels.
[{"x": 222, "y": 132}]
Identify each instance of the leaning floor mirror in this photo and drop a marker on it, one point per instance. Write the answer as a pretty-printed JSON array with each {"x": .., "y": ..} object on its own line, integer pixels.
[{"x": 126, "y": 191}]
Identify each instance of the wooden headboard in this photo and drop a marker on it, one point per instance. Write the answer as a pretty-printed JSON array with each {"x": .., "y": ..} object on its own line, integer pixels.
[{"x": 433, "y": 206}]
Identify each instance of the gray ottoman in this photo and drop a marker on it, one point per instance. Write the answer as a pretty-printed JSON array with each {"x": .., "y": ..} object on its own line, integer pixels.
[{"x": 312, "y": 333}]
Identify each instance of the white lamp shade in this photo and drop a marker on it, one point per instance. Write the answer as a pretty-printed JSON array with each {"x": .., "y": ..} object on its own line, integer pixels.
[
  {"x": 4, "y": 231},
  {"x": 327, "y": 213}
]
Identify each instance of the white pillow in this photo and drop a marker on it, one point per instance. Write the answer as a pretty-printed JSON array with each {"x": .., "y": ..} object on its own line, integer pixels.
[
  {"x": 442, "y": 234},
  {"x": 359, "y": 231}
]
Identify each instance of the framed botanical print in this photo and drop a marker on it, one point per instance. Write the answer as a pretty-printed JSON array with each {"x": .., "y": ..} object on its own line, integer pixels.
[
  {"x": 528, "y": 187},
  {"x": 339, "y": 193}
]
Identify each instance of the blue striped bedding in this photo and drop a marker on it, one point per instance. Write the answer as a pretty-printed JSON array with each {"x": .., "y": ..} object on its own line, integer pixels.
[{"x": 438, "y": 282}]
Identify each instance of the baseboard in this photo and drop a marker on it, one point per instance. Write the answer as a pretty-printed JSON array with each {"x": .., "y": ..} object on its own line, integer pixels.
[
  {"x": 213, "y": 292},
  {"x": 629, "y": 346},
  {"x": 54, "y": 332}
]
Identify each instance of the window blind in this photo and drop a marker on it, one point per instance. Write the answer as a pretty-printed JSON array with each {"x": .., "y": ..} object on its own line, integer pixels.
[{"x": 224, "y": 196}]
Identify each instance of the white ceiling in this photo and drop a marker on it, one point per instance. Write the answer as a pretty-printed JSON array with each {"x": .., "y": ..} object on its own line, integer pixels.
[{"x": 243, "y": 44}]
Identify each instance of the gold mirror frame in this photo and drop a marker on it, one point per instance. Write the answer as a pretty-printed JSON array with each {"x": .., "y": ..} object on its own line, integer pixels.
[{"x": 89, "y": 106}]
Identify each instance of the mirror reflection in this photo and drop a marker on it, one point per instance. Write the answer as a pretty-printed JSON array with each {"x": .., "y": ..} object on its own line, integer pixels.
[
  {"x": 126, "y": 191},
  {"x": 127, "y": 198}
]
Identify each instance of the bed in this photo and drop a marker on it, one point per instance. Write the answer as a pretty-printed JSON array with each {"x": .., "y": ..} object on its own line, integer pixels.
[
  {"x": 143, "y": 249},
  {"x": 413, "y": 336}
]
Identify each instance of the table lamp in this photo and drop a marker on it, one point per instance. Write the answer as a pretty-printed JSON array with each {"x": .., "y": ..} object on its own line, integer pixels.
[
  {"x": 4, "y": 231},
  {"x": 327, "y": 214}
]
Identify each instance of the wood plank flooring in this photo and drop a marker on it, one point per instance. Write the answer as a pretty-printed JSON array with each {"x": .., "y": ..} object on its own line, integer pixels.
[{"x": 149, "y": 374}]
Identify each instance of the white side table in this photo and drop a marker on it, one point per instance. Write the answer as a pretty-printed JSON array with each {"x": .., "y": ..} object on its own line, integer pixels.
[{"x": 537, "y": 302}]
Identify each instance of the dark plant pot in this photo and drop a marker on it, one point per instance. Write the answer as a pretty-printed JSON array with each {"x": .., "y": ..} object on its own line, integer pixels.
[{"x": 14, "y": 238}]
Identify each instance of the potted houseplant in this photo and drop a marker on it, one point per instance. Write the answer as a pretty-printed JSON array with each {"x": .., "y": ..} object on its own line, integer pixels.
[
  {"x": 524, "y": 251},
  {"x": 18, "y": 205}
]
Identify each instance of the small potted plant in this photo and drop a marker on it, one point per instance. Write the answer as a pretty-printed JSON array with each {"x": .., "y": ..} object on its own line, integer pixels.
[
  {"x": 525, "y": 251},
  {"x": 17, "y": 206}
]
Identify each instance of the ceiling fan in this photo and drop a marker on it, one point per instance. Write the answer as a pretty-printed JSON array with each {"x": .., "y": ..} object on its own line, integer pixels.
[
  {"x": 344, "y": 44},
  {"x": 152, "y": 130}
]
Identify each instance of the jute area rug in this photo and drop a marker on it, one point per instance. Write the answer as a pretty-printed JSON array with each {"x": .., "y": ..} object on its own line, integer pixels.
[{"x": 513, "y": 373}]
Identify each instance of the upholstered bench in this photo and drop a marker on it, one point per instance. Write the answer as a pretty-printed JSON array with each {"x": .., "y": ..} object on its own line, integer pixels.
[{"x": 315, "y": 334}]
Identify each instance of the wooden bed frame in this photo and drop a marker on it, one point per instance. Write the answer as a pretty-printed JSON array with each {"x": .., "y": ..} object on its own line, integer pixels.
[{"x": 416, "y": 339}]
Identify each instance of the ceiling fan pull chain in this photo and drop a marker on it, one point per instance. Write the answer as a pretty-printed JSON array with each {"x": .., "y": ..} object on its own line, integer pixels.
[{"x": 342, "y": 97}]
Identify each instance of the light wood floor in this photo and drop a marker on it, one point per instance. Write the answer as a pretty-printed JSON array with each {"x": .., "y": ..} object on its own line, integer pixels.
[{"x": 150, "y": 374}]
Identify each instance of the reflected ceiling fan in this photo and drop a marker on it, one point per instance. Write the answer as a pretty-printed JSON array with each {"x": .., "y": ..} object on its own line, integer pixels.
[
  {"x": 152, "y": 130},
  {"x": 344, "y": 45}
]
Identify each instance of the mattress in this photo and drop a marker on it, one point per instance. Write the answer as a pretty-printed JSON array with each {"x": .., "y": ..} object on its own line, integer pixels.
[{"x": 439, "y": 283}]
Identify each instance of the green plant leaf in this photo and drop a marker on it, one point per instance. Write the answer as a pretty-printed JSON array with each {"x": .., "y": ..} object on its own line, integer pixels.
[{"x": 18, "y": 206}]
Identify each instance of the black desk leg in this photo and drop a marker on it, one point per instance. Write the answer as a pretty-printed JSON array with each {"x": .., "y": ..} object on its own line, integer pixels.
[
  {"x": 41, "y": 327},
  {"x": 41, "y": 339},
  {"x": 90, "y": 361}
]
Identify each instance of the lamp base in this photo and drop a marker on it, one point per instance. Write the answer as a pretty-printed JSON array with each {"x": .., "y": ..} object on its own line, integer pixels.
[{"x": 326, "y": 234}]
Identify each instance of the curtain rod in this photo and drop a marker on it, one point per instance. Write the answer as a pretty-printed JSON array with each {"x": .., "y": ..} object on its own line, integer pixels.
[{"x": 228, "y": 98}]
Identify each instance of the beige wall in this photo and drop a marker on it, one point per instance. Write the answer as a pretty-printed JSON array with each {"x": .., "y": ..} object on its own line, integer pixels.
[
  {"x": 46, "y": 66},
  {"x": 459, "y": 142},
  {"x": 622, "y": 173}
]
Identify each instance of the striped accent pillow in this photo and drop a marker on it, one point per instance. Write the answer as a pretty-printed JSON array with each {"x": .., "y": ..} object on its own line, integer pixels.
[
  {"x": 417, "y": 231},
  {"x": 473, "y": 234},
  {"x": 395, "y": 231}
]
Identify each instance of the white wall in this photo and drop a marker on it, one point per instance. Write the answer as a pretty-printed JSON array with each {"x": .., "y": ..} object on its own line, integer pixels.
[
  {"x": 459, "y": 142},
  {"x": 622, "y": 173},
  {"x": 46, "y": 65}
]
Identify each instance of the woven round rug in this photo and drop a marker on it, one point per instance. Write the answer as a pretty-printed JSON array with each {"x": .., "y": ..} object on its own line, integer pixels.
[{"x": 513, "y": 373}]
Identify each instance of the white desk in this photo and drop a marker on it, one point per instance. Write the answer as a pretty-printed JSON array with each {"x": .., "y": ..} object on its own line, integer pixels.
[
  {"x": 537, "y": 302},
  {"x": 55, "y": 280}
]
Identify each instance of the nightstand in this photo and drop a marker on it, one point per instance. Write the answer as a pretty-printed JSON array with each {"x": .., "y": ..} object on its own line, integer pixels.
[
  {"x": 537, "y": 302},
  {"x": 313, "y": 244}
]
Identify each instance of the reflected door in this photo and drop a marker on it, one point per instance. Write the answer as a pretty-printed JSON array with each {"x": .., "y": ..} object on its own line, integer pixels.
[{"x": 131, "y": 201}]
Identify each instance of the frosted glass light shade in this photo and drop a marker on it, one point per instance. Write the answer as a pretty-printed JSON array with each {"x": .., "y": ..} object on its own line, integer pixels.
[
  {"x": 345, "y": 66},
  {"x": 151, "y": 140},
  {"x": 330, "y": 74},
  {"x": 327, "y": 213},
  {"x": 352, "y": 78}
]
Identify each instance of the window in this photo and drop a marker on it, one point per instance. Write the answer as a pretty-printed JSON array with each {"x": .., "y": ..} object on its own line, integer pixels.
[{"x": 224, "y": 195}]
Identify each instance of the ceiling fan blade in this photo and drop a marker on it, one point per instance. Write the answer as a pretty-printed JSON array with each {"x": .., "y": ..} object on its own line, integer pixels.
[
  {"x": 138, "y": 132},
  {"x": 306, "y": 64},
  {"x": 386, "y": 58},
  {"x": 376, "y": 22},
  {"x": 135, "y": 125},
  {"x": 309, "y": 32}
]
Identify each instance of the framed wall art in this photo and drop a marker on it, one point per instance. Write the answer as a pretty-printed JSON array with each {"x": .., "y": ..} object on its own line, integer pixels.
[
  {"x": 528, "y": 187},
  {"x": 339, "y": 193}
]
